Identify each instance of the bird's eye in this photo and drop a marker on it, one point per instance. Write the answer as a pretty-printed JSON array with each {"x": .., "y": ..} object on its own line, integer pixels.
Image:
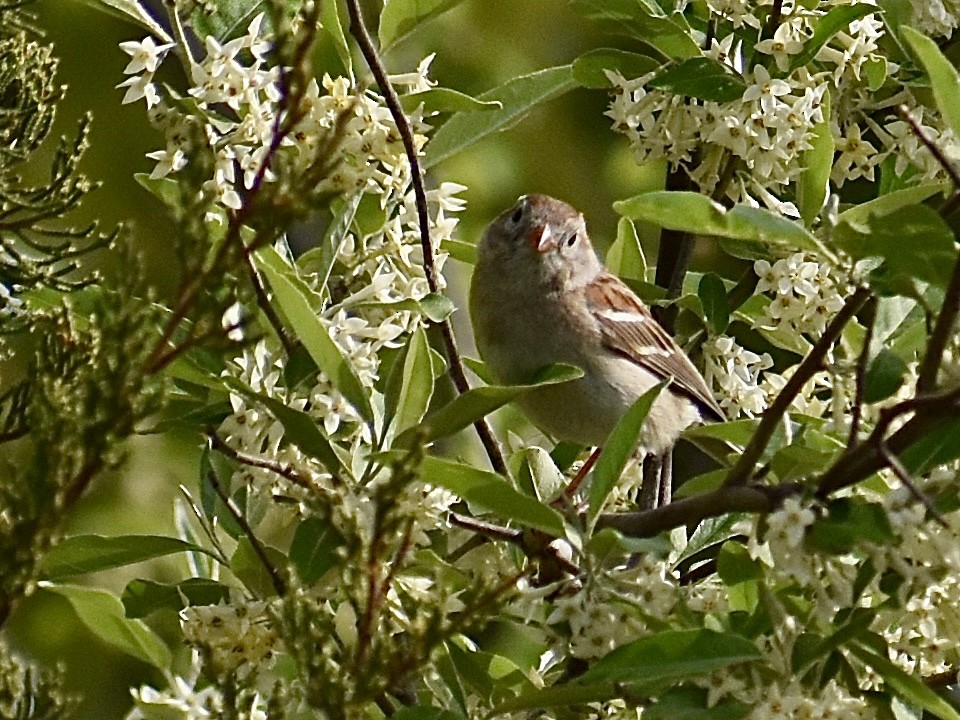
[
  {"x": 572, "y": 240},
  {"x": 517, "y": 215}
]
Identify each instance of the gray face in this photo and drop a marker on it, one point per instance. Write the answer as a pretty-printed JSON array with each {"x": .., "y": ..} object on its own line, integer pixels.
[{"x": 541, "y": 239}]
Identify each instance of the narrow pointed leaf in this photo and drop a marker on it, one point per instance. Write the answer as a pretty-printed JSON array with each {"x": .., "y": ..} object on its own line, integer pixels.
[
  {"x": 911, "y": 689},
  {"x": 713, "y": 296},
  {"x": 695, "y": 213},
  {"x": 330, "y": 21},
  {"x": 944, "y": 78},
  {"x": 132, "y": 10},
  {"x": 410, "y": 385},
  {"x": 299, "y": 428},
  {"x": 619, "y": 448},
  {"x": 143, "y": 597},
  {"x": 492, "y": 492},
  {"x": 293, "y": 298},
  {"x": 401, "y": 17},
  {"x": 672, "y": 655},
  {"x": 467, "y": 408},
  {"x": 517, "y": 97},
  {"x": 82, "y": 554},
  {"x": 438, "y": 99}
]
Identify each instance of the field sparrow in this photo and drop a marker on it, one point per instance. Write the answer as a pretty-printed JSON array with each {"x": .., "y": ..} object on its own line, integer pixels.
[{"x": 540, "y": 295}]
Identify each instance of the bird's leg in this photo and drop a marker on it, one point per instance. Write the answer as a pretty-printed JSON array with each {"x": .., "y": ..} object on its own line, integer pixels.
[
  {"x": 650, "y": 490},
  {"x": 582, "y": 472},
  {"x": 666, "y": 478}
]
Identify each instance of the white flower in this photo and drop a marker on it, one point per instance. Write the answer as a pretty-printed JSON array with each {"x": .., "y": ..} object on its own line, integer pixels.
[
  {"x": 144, "y": 55},
  {"x": 784, "y": 43}
]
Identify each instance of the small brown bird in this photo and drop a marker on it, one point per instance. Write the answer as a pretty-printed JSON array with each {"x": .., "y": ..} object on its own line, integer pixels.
[{"x": 540, "y": 295}]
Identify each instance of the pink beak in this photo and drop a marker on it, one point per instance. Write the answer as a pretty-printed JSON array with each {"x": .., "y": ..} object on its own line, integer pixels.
[{"x": 541, "y": 238}]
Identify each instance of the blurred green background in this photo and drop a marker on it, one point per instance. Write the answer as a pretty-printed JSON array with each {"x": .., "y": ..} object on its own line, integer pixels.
[{"x": 564, "y": 148}]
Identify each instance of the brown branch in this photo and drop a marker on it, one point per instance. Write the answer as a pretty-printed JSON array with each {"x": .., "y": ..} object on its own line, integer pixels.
[
  {"x": 856, "y": 413},
  {"x": 359, "y": 31},
  {"x": 740, "y": 473},
  {"x": 903, "y": 475},
  {"x": 276, "y": 579},
  {"x": 739, "y": 498}
]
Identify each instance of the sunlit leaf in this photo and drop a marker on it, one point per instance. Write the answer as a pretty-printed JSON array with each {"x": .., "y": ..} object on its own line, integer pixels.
[
  {"x": 401, "y": 17},
  {"x": 589, "y": 69},
  {"x": 625, "y": 256},
  {"x": 698, "y": 214},
  {"x": 103, "y": 614},
  {"x": 645, "y": 21},
  {"x": 517, "y": 97},
  {"x": 944, "y": 78},
  {"x": 135, "y": 11},
  {"x": 82, "y": 554},
  {"x": 817, "y": 163},
  {"x": 492, "y": 492},
  {"x": 293, "y": 298},
  {"x": 826, "y": 26},
  {"x": 468, "y": 407},
  {"x": 619, "y": 448},
  {"x": 438, "y": 99},
  {"x": 410, "y": 385}
]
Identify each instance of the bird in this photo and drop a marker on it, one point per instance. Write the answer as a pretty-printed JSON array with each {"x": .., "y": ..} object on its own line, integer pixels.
[{"x": 540, "y": 295}]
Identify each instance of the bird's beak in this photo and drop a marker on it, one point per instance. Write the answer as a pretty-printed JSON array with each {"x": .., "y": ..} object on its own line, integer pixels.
[{"x": 541, "y": 238}]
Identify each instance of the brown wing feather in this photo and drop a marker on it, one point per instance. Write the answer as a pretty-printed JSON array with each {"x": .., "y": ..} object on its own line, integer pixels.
[{"x": 645, "y": 343}]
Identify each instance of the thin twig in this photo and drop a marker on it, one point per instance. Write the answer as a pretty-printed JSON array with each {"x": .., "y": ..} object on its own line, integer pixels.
[
  {"x": 359, "y": 31},
  {"x": 263, "y": 301},
  {"x": 856, "y": 413},
  {"x": 514, "y": 537},
  {"x": 904, "y": 112},
  {"x": 276, "y": 579},
  {"x": 903, "y": 475},
  {"x": 942, "y": 330},
  {"x": 285, "y": 471},
  {"x": 740, "y": 473}
]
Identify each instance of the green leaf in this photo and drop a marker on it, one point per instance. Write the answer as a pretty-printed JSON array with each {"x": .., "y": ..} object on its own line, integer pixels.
[
  {"x": 701, "y": 78},
  {"x": 82, "y": 554},
  {"x": 425, "y": 712},
  {"x": 299, "y": 428},
  {"x": 619, "y": 448},
  {"x": 670, "y": 656},
  {"x": 698, "y": 214},
  {"x": 588, "y": 69},
  {"x": 850, "y": 522},
  {"x": 401, "y": 17},
  {"x": 492, "y": 492},
  {"x": 293, "y": 298},
  {"x": 939, "y": 446},
  {"x": 132, "y": 10},
  {"x": 330, "y": 20},
  {"x": 645, "y": 21},
  {"x": 320, "y": 259},
  {"x": 932, "y": 254},
  {"x": 517, "y": 97},
  {"x": 911, "y": 689},
  {"x": 249, "y": 569},
  {"x": 313, "y": 550},
  {"x": 713, "y": 296},
  {"x": 143, "y": 597},
  {"x": 467, "y": 408},
  {"x": 858, "y": 216},
  {"x": 164, "y": 189},
  {"x": 817, "y": 163},
  {"x": 884, "y": 376},
  {"x": 230, "y": 20},
  {"x": 103, "y": 615},
  {"x": 943, "y": 76},
  {"x": 438, "y": 99},
  {"x": 734, "y": 565},
  {"x": 691, "y": 703},
  {"x": 410, "y": 385},
  {"x": 625, "y": 256},
  {"x": 826, "y": 27}
]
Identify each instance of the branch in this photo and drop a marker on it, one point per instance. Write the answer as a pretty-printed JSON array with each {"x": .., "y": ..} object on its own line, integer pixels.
[
  {"x": 856, "y": 413},
  {"x": 359, "y": 31},
  {"x": 740, "y": 473},
  {"x": 279, "y": 584},
  {"x": 692, "y": 510}
]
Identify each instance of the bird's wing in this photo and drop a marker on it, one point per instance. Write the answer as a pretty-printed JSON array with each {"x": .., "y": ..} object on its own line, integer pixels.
[{"x": 629, "y": 329}]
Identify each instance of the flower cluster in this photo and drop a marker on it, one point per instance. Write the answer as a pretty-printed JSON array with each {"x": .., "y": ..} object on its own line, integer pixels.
[
  {"x": 806, "y": 293},
  {"x": 235, "y": 637},
  {"x": 756, "y": 144}
]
